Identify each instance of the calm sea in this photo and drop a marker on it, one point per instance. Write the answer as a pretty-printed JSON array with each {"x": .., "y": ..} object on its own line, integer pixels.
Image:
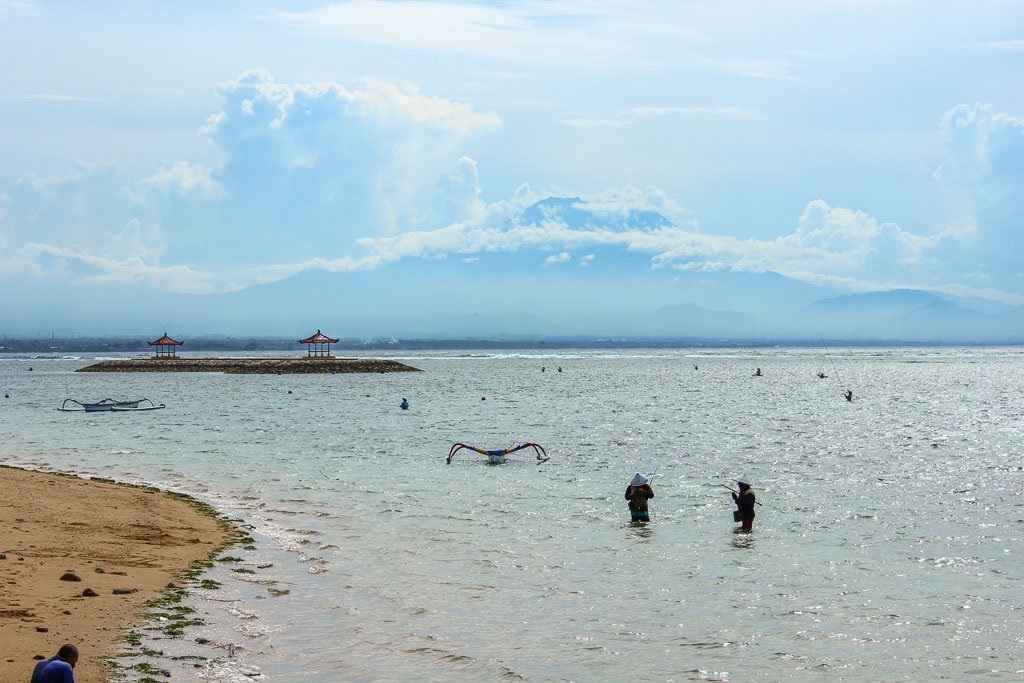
[{"x": 888, "y": 545}]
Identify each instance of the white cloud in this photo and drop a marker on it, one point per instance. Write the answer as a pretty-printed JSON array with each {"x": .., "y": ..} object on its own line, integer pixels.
[
  {"x": 980, "y": 181},
  {"x": 594, "y": 123},
  {"x": 573, "y": 34},
  {"x": 376, "y": 158},
  {"x": 708, "y": 111},
  {"x": 633, "y": 114},
  {"x": 84, "y": 268},
  {"x": 579, "y": 35},
  {"x": 53, "y": 97},
  {"x": 19, "y": 7},
  {"x": 586, "y": 260},
  {"x": 561, "y": 257},
  {"x": 1002, "y": 46},
  {"x": 183, "y": 177}
]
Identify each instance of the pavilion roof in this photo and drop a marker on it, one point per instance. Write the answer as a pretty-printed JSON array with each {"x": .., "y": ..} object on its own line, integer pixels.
[
  {"x": 318, "y": 338},
  {"x": 165, "y": 341}
]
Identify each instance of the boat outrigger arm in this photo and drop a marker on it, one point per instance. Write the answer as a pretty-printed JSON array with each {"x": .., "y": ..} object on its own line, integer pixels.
[{"x": 499, "y": 455}]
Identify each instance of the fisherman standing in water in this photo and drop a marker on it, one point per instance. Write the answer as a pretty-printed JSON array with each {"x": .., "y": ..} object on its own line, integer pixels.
[
  {"x": 637, "y": 493},
  {"x": 745, "y": 501},
  {"x": 849, "y": 395}
]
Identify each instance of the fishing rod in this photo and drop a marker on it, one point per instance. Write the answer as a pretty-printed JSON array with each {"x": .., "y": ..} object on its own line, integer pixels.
[
  {"x": 835, "y": 369},
  {"x": 756, "y": 502}
]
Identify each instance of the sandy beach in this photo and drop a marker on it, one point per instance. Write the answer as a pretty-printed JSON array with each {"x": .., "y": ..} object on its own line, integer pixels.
[{"x": 112, "y": 537}]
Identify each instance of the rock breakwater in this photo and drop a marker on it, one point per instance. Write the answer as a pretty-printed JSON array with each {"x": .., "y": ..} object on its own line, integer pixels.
[{"x": 251, "y": 366}]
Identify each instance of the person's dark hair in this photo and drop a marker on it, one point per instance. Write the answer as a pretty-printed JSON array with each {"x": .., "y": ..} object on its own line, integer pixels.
[{"x": 67, "y": 651}]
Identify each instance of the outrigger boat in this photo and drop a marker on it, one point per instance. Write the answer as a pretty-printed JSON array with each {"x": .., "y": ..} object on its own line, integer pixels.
[
  {"x": 498, "y": 457},
  {"x": 108, "y": 405}
]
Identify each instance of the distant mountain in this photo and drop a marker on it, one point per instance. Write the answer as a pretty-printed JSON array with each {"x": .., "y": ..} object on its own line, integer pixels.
[
  {"x": 574, "y": 213},
  {"x": 874, "y": 303},
  {"x": 913, "y": 315},
  {"x": 591, "y": 291}
]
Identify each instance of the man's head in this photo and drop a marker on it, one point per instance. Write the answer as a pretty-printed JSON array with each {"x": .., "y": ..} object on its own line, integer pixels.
[{"x": 69, "y": 653}]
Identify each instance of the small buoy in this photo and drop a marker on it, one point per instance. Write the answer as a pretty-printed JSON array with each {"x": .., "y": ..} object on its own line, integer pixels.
[
  {"x": 30, "y": 369},
  {"x": 289, "y": 391},
  {"x": 7, "y": 395},
  {"x": 483, "y": 398}
]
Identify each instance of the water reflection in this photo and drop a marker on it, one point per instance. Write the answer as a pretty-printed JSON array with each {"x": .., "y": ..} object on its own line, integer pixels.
[
  {"x": 742, "y": 539},
  {"x": 640, "y": 530}
]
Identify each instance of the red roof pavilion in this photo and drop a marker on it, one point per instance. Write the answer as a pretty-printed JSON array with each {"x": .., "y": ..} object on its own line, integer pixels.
[
  {"x": 318, "y": 345},
  {"x": 165, "y": 346}
]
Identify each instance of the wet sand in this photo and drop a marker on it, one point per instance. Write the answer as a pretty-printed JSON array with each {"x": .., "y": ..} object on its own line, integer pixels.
[{"x": 111, "y": 537}]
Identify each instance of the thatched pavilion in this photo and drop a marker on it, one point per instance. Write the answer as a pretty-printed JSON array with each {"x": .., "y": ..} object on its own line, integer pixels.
[
  {"x": 318, "y": 345},
  {"x": 165, "y": 347}
]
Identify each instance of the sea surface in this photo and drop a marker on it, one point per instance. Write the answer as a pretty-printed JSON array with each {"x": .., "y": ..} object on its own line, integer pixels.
[{"x": 888, "y": 545}]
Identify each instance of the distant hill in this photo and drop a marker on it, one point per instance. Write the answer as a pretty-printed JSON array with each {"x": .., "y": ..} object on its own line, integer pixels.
[{"x": 905, "y": 314}]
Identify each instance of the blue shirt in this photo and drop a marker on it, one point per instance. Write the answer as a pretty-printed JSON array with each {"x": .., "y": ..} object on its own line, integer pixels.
[{"x": 53, "y": 670}]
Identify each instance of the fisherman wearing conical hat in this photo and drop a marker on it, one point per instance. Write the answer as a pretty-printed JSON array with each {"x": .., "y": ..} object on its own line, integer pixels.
[
  {"x": 638, "y": 493},
  {"x": 745, "y": 501}
]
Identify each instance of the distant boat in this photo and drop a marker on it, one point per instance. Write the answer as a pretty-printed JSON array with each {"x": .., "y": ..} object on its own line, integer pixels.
[{"x": 108, "y": 405}]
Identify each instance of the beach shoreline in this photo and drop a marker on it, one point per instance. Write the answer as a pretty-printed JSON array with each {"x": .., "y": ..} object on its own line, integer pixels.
[{"x": 123, "y": 542}]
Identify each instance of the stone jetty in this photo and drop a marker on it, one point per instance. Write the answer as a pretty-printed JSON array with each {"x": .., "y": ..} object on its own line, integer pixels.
[{"x": 251, "y": 366}]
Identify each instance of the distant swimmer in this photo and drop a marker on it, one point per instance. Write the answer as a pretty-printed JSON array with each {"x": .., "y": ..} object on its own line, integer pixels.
[
  {"x": 542, "y": 368},
  {"x": 559, "y": 368},
  {"x": 404, "y": 405},
  {"x": 849, "y": 395},
  {"x": 694, "y": 367},
  {"x": 822, "y": 375},
  {"x": 757, "y": 373},
  {"x": 745, "y": 501},
  {"x": 638, "y": 493}
]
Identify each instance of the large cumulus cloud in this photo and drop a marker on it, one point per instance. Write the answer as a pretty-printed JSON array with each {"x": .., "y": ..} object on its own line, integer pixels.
[
  {"x": 980, "y": 178},
  {"x": 345, "y": 178},
  {"x": 331, "y": 163}
]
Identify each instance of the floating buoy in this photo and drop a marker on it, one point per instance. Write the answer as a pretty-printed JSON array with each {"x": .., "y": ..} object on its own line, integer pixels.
[
  {"x": 289, "y": 391},
  {"x": 483, "y": 398}
]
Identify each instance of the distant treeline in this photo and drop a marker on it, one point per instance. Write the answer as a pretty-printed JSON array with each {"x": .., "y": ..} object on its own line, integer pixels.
[{"x": 290, "y": 346}]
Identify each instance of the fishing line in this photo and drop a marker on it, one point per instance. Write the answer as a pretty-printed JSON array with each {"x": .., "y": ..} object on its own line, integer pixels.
[{"x": 835, "y": 369}]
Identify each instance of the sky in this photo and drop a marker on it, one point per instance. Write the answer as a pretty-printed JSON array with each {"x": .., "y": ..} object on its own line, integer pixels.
[{"x": 199, "y": 148}]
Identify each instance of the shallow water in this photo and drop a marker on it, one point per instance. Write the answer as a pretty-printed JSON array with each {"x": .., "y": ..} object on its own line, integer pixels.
[{"x": 888, "y": 545}]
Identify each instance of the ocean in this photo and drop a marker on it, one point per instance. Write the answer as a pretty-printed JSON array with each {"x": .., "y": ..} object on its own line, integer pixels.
[{"x": 888, "y": 543}]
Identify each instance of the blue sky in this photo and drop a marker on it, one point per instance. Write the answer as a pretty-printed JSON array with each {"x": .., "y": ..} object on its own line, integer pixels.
[{"x": 197, "y": 147}]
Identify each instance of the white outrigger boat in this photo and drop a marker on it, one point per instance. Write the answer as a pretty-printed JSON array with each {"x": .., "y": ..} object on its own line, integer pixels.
[{"x": 108, "y": 405}]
